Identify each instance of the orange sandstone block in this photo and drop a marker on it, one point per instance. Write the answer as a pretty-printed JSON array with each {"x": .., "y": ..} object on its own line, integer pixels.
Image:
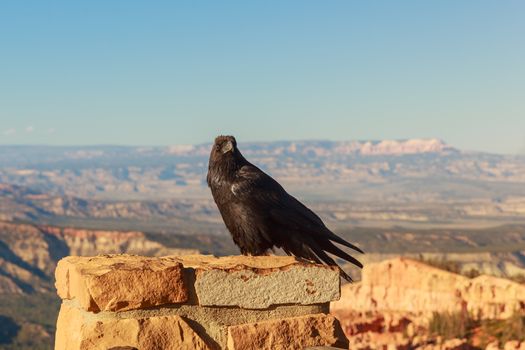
[
  {"x": 120, "y": 282},
  {"x": 288, "y": 334},
  {"x": 78, "y": 330},
  {"x": 259, "y": 282}
]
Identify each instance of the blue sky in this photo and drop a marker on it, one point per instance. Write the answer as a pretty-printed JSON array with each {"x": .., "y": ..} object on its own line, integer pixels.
[{"x": 170, "y": 72}]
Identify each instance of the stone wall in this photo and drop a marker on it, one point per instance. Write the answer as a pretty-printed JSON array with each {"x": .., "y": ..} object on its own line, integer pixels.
[{"x": 195, "y": 302}]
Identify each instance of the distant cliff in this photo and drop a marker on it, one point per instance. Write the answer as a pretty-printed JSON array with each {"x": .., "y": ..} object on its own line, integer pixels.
[
  {"x": 29, "y": 253},
  {"x": 398, "y": 299}
]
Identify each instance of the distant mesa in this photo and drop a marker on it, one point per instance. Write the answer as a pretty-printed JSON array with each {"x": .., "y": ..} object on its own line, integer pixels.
[
  {"x": 320, "y": 148},
  {"x": 412, "y": 146},
  {"x": 180, "y": 149}
]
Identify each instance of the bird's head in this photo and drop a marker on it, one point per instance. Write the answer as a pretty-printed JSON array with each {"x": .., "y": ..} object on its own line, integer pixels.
[
  {"x": 225, "y": 159},
  {"x": 224, "y": 147}
]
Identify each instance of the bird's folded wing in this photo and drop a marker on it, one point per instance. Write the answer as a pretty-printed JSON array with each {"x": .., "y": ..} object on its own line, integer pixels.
[
  {"x": 258, "y": 190},
  {"x": 261, "y": 192}
]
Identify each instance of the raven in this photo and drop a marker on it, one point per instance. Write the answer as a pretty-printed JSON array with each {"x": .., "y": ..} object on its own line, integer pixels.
[{"x": 261, "y": 215}]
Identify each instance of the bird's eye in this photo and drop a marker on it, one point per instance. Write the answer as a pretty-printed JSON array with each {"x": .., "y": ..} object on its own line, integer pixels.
[{"x": 217, "y": 147}]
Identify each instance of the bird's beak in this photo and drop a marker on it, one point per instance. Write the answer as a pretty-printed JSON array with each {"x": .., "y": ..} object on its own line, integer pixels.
[{"x": 228, "y": 146}]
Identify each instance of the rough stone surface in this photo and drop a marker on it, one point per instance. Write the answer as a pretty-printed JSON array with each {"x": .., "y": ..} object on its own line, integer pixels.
[
  {"x": 68, "y": 331},
  {"x": 321, "y": 348},
  {"x": 290, "y": 333},
  {"x": 76, "y": 330},
  {"x": 120, "y": 282},
  {"x": 195, "y": 302},
  {"x": 213, "y": 321},
  {"x": 259, "y": 282}
]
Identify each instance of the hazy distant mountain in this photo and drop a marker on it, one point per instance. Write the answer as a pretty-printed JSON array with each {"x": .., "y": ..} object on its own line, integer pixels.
[
  {"x": 357, "y": 182},
  {"x": 374, "y": 170},
  {"x": 23, "y": 155},
  {"x": 328, "y": 148}
]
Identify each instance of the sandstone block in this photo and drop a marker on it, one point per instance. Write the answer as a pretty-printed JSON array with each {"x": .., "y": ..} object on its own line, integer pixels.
[
  {"x": 258, "y": 282},
  {"x": 76, "y": 330},
  {"x": 289, "y": 333},
  {"x": 322, "y": 348},
  {"x": 213, "y": 322},
  {"x": 125, "y": 282},
  {"x": 120, "y": 282}
]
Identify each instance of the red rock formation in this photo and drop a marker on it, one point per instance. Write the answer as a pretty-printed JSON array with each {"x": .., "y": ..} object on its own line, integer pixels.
[
  {"x": 409, "y": 286},
  {"x": 392, "y": 305}
]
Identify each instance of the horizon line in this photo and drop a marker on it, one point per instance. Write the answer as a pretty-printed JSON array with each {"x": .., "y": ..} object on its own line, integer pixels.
[{"x": 127, "y": 145}]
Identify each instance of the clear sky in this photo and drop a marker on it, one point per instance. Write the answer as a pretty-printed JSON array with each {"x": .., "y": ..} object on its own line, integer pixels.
[{"x": 171, "y": 72}]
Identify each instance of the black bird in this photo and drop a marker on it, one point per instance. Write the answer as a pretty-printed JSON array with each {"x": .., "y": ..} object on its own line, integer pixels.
[{"x": 261, "y": 215}]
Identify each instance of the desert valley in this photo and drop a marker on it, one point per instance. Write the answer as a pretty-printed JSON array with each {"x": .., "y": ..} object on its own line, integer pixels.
[{"x": 455, "y": 215}]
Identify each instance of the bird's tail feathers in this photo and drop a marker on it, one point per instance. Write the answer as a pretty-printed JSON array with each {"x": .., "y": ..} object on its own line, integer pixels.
[
  {"x": 328, "y": 260},
  {"x": 331, "y": 248},
  {"x": 333, "y": 237},
  {"x": 312, "y": 251},
  {"x": 344, "y": 274}
]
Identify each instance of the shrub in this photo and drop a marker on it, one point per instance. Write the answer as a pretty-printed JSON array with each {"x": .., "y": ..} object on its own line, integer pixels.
[
  {"x": 447, "y": 265},
  {"x": 451, "y": 266},
  {"x": 512, "y": 328},
  {"x": 451, "y": 325},
  {"x": 520, "y": 278},
  {"x": 472, "y": 273}
]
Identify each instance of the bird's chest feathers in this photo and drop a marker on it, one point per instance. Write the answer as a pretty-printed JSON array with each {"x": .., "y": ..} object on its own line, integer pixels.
[{"x": 223, "y": 189}]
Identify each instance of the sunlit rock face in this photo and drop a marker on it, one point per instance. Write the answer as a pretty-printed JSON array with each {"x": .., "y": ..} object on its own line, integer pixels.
[
  {"x": 396, "y": 299},
  {"x": 404, "y": 285}
]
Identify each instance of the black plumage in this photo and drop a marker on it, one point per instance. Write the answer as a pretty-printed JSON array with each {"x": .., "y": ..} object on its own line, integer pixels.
[{"x": 261, "y": 215}]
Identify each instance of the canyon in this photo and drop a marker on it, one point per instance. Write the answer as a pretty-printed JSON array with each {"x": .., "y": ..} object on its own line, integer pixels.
[
  {"x": 447, "y": 212},
  {"x": 29, "y": 253}
]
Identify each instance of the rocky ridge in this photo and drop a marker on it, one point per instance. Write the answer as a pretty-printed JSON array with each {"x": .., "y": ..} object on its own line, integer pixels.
[
  {"x": 29, "y": 253},
  {"x": 396, "y": 299}
]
